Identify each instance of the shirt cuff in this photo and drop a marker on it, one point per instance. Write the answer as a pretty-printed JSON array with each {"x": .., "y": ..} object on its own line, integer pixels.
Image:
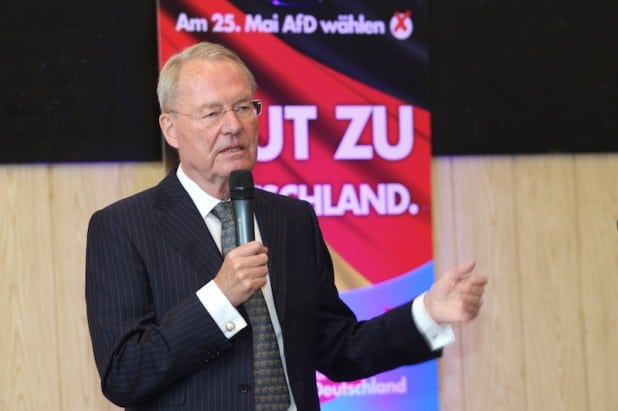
[
  {"x": 221, "y": 310},
  {"x": 437, "y": 335}
]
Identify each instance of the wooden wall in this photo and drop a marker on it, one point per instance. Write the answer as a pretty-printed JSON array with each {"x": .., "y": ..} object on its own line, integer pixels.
[{"x": 542, "y": 227}]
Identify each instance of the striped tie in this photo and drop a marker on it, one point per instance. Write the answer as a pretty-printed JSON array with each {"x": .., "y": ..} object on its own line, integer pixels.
[{"x": 271, "y": 390}]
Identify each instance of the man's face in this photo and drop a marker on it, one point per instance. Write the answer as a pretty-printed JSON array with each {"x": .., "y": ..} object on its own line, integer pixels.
[{"x": 209, "y": 154}]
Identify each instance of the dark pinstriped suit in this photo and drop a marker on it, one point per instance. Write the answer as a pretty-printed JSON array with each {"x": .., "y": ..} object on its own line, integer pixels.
[{"x": 155, "y": 345}]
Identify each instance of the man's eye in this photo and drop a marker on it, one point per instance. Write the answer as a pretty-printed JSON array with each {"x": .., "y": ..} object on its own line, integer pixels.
[
  {"x": 243, "y": 108},
  {"x": 210, "y": 114}
]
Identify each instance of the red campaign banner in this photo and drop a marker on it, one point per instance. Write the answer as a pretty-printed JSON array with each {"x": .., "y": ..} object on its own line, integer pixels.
[{"x": 346, "y": 127}]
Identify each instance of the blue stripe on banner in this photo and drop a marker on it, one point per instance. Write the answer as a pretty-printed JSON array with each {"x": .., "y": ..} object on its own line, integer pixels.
[{"x": 407, "y": 388}]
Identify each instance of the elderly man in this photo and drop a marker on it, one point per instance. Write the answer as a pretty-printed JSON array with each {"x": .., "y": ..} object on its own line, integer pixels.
[{"x": 172, "y": 306}]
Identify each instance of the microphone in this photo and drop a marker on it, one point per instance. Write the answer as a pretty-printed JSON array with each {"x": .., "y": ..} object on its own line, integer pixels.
[{"x": 241, "y": 193}]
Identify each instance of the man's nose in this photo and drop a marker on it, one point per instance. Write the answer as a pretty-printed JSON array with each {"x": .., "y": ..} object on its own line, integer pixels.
[{"x": 230, "y": 120}]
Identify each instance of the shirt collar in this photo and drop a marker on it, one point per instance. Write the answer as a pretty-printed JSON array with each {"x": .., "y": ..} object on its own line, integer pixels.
[{"x": 202, "y": 200}]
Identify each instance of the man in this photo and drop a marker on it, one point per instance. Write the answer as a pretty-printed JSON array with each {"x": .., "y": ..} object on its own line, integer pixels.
[{"x": 168, "y": 313}]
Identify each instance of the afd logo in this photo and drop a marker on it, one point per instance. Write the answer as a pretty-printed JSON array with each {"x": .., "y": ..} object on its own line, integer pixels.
[{"x": 401, "y": 25}]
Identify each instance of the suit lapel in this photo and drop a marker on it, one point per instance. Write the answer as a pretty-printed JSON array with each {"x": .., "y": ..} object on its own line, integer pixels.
[
  {"x": 183, "y": 226},
  {"x": 273, "y": 228}
]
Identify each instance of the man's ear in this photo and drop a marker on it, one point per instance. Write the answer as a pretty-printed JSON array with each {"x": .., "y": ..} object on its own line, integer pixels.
[{"x": 166, "y": 122}]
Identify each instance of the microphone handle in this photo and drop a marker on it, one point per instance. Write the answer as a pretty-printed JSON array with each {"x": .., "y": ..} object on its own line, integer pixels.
[{"x": 243, "y": 219}]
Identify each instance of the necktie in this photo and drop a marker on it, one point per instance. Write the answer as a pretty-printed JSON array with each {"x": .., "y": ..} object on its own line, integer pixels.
[{"x": 271, "y": 390}]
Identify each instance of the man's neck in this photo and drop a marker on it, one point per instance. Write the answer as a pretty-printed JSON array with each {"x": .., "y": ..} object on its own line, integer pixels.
[{"x": 219, "y": 191}]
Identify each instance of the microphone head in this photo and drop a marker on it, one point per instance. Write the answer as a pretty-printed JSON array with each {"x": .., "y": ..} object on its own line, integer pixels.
[{"x": 241, "y": 185}]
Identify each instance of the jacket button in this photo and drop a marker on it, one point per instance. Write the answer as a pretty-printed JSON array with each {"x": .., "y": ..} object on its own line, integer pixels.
[{"x": 244, "y": 387}]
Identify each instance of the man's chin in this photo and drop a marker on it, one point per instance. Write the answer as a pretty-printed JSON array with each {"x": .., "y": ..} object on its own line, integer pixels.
[{"x": 240, "y": 165}]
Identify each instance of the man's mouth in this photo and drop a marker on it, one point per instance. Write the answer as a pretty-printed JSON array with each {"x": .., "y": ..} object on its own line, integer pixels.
[{"x": 232, "y": 149}]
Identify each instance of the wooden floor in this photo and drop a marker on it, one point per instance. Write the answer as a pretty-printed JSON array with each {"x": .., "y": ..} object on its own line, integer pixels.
[{"x": 544, "y": 228}]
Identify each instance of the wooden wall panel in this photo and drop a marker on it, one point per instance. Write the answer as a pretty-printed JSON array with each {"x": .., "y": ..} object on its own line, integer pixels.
[
  {"x": 551, "y": 296},
  {"x": 492, "y": 345},
  {"x": 596, "y": 179},
  {"x": 138, "y": 177},
  {"x": 444, "y": 238},
  {"x": 29, "y": 364},
  {"x": 77, "y": 192}
]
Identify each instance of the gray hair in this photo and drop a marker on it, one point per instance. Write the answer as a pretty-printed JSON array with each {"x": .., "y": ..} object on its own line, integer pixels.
[{"x": 168, "y": 78}]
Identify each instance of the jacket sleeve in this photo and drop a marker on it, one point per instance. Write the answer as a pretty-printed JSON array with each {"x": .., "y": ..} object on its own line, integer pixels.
[
  {"x": 348, "y": 349},
  {"x": 138, "y": 347}
]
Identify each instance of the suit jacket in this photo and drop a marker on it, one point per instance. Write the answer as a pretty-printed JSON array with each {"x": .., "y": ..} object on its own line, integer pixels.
[{"x": 157, "y": 348}]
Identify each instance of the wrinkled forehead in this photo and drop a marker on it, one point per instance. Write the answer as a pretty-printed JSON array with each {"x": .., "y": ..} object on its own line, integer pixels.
[{"x": 213, "y": 82}]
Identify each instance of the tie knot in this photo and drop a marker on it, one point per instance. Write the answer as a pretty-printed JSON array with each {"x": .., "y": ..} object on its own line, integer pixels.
[{"x": 223, "y": 211}]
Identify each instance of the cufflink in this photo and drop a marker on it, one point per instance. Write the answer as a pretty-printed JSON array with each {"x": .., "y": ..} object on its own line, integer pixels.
[{"x": 230, "y": 326}]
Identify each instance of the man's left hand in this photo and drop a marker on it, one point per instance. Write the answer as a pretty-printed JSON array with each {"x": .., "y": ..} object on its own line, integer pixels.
[{"x": 457, "y": 295}]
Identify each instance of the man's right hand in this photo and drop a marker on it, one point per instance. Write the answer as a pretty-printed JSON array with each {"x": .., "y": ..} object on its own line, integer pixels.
[{"x": 243, "y": 272}]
